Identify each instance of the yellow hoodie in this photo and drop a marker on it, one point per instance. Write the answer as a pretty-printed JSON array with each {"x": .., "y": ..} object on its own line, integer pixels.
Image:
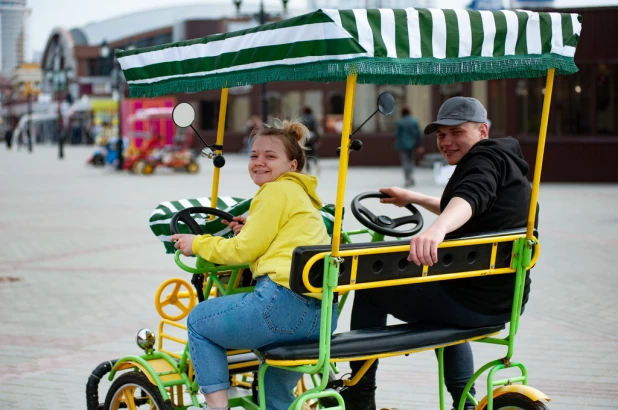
[{"x": 284, "y": 214}]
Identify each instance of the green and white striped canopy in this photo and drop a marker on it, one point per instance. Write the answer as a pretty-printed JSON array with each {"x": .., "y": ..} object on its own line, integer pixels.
[{"x": 383, "y": 46}]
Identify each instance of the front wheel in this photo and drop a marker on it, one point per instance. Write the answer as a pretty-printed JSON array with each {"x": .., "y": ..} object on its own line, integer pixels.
[
  {"x": 134, "y": 391},
  {"x": 515, "y": 401}
]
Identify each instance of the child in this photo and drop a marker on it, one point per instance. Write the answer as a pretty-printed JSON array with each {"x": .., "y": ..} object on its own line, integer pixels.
[{"x": 284, "y": 214}]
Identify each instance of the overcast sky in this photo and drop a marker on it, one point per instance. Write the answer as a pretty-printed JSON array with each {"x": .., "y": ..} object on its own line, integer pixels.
[{"x": 48, "y": 14}]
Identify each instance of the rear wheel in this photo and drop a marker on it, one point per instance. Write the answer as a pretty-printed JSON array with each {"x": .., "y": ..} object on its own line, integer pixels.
[
  {"x": 148, "y": 169},
  {"x": 134, "y": 391},
  {"x": 193, "y": 167},
  {"x": 138, "y": 166},
  {"x": 516, "y": 401}
]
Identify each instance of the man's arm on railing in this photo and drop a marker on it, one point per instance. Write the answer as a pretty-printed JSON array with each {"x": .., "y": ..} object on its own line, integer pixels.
[{"x": 424, "y": 247}]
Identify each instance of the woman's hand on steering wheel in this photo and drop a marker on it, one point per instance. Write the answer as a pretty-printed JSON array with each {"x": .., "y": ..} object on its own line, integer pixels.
[
  {"x": 236, "y": 224},
  {"x": 183, "y": 242}
]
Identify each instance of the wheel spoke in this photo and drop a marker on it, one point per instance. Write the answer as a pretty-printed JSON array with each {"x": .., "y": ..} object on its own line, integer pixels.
[
  {"x": 176, "y": 289},
  {"x": 129, "y": 397},
  {"x": 183, "y": 308}
]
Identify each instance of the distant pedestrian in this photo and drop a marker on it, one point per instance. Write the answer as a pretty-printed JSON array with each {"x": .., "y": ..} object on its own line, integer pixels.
[
  {"x": 8, "y": 137},
  {"x": 312, "y": 141},
  {"x": 409, "y": 144}
]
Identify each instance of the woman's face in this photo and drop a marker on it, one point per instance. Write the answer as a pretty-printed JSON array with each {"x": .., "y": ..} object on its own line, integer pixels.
[{"x": 269, "y": 160}]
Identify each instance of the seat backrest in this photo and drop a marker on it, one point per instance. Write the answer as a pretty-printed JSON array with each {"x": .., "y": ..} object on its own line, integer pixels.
[{"x": 394, "y": 265}]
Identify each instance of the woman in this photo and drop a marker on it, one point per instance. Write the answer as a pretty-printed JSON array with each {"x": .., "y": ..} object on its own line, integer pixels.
[{"x": 284, "y": 214}]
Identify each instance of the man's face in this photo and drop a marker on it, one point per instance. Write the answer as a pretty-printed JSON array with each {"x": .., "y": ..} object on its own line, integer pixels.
[{"x": 455, "y": 141}]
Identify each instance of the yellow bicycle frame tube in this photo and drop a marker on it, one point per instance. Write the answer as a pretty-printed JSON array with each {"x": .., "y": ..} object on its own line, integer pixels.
[
  {"x": 348, "y": 112},
  {"x": 220, "y": 131},
  {"x": 540, "y": 150}
]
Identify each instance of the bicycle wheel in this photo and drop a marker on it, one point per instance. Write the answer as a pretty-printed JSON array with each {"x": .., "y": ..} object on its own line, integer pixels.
[
  {"x": 516, "y": 401},
  {"x": 133, "y": 390}
]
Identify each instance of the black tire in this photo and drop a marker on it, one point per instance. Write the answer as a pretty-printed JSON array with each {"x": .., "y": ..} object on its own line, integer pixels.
[
  {"x": 144, "y": 397},
  {"x": 516, "y": 401}
]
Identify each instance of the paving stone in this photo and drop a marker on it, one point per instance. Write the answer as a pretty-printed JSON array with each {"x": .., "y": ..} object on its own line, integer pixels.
[{"x": 77, "y": 240}]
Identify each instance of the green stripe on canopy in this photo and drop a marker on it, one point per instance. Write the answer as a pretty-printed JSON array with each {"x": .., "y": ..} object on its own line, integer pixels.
[{"x": 426, "y": 46}]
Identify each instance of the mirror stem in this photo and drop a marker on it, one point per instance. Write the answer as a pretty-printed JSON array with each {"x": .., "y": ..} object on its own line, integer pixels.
[
  {"x": 200, "y": 137},
  {"x": 361, "y": 126}
]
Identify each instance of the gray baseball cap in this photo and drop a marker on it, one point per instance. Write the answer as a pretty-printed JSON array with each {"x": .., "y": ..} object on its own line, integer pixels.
[{"x": 458, "y": 110}]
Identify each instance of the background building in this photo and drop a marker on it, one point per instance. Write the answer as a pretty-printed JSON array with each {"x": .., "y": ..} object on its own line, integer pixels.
[
  {"x": 14, "y": 38},
  {"x": 582, "y": 135}
]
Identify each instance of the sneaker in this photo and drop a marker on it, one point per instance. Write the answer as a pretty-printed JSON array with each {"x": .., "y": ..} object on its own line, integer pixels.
[
  {"x": 353, "y": 399},
  {"x": 409, "y": 182}
]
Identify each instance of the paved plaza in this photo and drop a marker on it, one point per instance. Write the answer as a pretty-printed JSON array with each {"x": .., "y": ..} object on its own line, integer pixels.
[{"x": 79, "y": 268}]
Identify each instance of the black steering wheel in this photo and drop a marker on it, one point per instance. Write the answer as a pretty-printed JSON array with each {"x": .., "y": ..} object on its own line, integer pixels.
[
  {"x": 185, "y": 216},
  {"x": 383, "y": 224}
]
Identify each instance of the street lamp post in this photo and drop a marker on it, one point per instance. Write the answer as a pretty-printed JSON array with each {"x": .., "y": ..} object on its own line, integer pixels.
[
  {"x": 59, "y": 78},
  {"x": 28, "y": 91}
]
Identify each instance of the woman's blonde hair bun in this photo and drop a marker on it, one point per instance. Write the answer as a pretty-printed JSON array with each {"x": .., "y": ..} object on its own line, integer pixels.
[{"x": 294, "y": 128}]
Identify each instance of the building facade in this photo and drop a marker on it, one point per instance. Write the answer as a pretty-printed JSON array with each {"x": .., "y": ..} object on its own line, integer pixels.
[{"x": 582, "y": 134}]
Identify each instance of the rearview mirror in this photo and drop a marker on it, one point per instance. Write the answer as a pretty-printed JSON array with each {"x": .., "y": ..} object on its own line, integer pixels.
[
  {"x": 183, "y": 115},
  {"x": 386, "y": 103}
]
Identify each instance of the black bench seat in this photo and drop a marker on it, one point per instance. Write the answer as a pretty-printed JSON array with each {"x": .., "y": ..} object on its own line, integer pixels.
[
  {"x": 243, "y": 363},
  {"x": 395, "y": 339}
]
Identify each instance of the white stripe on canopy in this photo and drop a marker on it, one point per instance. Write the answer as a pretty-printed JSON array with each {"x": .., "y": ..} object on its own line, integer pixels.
[
  {"x": 387, "y": 20},
  {"x": 465, "y": 33},
  {"x": 286, "y": 35},
  {"x": 512, "y": 28},
  {"x": 365, "y": 33},
  {"x": 414, "y": 33},
  {"x": 489, "y": 33},
  {"x": 439, "y": 33},
  {"x": 533, "y": 34},
  {"x": 288, "y": 61}
]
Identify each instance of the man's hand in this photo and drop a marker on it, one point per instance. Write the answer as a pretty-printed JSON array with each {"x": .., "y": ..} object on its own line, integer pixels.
[
  {"x": 424, "y": 247},
  {"x": 184, "y": 242},
  {"x": 236, "y": 225},
  {"x": 399, "y": 196}
]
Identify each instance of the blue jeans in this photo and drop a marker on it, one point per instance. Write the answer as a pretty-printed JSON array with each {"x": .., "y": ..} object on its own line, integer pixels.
[
  {"x": 426, "y": 302},
  {"x": 270, "y": 315}
]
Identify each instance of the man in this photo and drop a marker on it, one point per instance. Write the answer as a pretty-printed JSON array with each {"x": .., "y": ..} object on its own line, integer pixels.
[
  {"x": 312, "y": 141},
  {"x": 488, "y": 191},
  {"x": 409, "y": 144}
]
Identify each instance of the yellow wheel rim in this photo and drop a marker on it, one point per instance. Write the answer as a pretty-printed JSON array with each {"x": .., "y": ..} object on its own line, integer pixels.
[
  {"x": 192, "y": 168},
  {"x": 126, "y": 399}
]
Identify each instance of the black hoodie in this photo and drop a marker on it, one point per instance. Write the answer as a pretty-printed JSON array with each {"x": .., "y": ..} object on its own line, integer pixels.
[{"x": 491, "y": 178}]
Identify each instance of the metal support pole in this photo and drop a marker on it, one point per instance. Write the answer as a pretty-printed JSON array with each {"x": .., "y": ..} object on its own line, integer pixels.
[
  {"x": 264, "y": 88},
  {"x": 59, "y": 127},
  {"x": 120, "y": 145},
  {"x": 29, "y": 122}
]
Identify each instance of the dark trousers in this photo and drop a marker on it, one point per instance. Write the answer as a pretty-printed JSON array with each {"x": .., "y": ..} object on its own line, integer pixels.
[{"x": 427, "y": 302}]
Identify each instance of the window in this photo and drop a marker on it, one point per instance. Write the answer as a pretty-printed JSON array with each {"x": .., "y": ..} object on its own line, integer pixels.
[
  {"x": 208, "y": 112},
  {"x": 583, "y": 104},
  {"x": 607, "y": 99},
  {"x": 496, "y": 107}
]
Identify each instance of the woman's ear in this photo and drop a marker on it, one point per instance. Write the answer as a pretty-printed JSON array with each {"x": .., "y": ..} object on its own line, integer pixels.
[{"x": 294, "y": 165}]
